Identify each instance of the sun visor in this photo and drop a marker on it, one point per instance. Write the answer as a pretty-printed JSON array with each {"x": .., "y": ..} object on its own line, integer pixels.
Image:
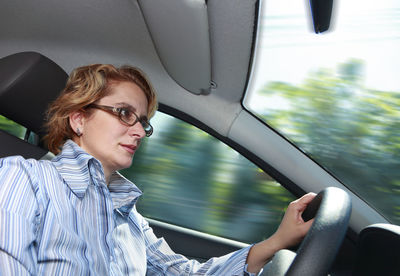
[{"x": 180, "y": 33}]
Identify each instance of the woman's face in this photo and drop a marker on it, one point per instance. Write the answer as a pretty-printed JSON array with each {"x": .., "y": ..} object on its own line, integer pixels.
[{"x": 105, "y": 137}]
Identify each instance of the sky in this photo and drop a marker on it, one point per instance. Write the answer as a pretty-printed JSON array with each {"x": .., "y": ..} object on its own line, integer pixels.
[{"x": 288, "y": 49}]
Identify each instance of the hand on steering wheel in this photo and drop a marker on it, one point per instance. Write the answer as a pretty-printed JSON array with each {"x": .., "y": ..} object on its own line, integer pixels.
[
  {"x": 332, "y": 209},
  {"x": 293, "y": 228}
]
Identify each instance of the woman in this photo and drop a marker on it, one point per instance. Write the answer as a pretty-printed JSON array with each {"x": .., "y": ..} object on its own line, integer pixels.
[{"x": 76, "y": 215}]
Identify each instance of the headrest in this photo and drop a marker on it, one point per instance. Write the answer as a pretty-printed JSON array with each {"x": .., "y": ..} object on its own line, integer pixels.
[{"x": 29, "y": 82}]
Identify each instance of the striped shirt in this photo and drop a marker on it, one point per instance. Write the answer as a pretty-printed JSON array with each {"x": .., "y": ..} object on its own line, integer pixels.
[{"x": 60, "y": 218}]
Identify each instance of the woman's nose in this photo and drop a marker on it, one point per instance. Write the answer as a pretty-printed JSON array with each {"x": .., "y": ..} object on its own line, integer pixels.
[{"x": 137, "y": 130}]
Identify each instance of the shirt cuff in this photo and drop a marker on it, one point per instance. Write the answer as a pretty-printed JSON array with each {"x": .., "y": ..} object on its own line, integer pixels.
[{"x": 246, "y": 273}]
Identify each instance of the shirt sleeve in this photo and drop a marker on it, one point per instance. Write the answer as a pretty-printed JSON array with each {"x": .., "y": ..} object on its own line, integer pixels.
[
  {"x": 246, "y": 273},
  {"x": 18, "y": 217},
  {"x": 161, "y": 260}
]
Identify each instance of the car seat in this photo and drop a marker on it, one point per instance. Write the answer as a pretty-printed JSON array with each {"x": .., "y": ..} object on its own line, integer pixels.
[{"x": 29, "y": 82}]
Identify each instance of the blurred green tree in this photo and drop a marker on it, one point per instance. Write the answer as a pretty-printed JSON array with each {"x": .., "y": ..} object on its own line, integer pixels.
[
  {"x": 191, "y": 179},
  {"x": 351, "y": 130}
]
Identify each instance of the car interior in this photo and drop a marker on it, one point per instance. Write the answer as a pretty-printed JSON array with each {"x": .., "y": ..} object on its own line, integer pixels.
[{"x": 200, "y": 56}]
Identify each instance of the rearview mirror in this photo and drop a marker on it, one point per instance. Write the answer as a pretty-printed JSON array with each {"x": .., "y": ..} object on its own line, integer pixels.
[{"x": 321, "y": 11}]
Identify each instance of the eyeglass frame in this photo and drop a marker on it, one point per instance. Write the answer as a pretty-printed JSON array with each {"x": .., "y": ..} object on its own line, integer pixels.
[{"x": 116, "y": 111}]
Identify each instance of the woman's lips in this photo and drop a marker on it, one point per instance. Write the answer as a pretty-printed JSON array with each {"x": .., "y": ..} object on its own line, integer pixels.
[{"x": 129, "y": 148}]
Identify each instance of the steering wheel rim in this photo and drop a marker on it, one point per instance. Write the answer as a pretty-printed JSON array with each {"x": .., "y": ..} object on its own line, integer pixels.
[{"x": 331, "y": 209}]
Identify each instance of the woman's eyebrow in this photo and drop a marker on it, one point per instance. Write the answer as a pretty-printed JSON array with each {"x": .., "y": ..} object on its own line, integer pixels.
[{"x": 123, "y": 104}]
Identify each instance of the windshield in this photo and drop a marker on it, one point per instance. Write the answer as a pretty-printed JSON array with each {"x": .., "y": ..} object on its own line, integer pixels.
[{"x": 335, "y": 95}]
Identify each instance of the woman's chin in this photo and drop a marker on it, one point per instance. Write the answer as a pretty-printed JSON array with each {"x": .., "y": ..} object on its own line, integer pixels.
[{"x": 126, "y": 164}]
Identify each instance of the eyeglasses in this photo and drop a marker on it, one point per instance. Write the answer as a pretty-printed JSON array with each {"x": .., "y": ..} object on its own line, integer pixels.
[{"x": 126, "y": 115}]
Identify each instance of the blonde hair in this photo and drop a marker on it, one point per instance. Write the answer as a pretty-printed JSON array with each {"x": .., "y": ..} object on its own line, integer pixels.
[{"x": 86, "y": 85}]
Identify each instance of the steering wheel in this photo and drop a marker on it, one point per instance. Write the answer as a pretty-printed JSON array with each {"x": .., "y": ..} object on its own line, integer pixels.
[{"x": 331, "y": 209}]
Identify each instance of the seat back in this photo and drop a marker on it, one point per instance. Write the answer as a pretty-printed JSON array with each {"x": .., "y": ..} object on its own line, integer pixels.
[
  {"x": 378, "y": 251},
  {"x": 29, "y": 82}
]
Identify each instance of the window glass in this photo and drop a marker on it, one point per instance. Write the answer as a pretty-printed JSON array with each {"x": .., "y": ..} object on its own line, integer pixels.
[
  {"x": 12, "y": 127},
  {"x": 191, "y": 179},
  {"x": 18, "y": 130},
  {"x": 336, "y": 95}
]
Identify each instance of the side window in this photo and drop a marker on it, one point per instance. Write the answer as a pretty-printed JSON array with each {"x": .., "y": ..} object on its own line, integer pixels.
[
  {"x": 11, "y": 127},
  {"x": 18, "y": 130},
  {"x": 191, "y": 179}
]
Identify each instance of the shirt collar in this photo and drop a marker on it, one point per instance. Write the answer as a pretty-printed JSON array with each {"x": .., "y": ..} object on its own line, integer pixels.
[
  {"x": 78, "y": 168},
  {"x": 123, "y": 192}
]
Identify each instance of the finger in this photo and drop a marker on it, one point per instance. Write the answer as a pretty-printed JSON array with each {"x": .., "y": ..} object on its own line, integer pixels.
[{"x": 305, "y": 200}]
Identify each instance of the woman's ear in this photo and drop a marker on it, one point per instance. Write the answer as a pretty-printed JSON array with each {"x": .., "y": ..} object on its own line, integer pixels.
[{"x": 76, "y": 121}]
